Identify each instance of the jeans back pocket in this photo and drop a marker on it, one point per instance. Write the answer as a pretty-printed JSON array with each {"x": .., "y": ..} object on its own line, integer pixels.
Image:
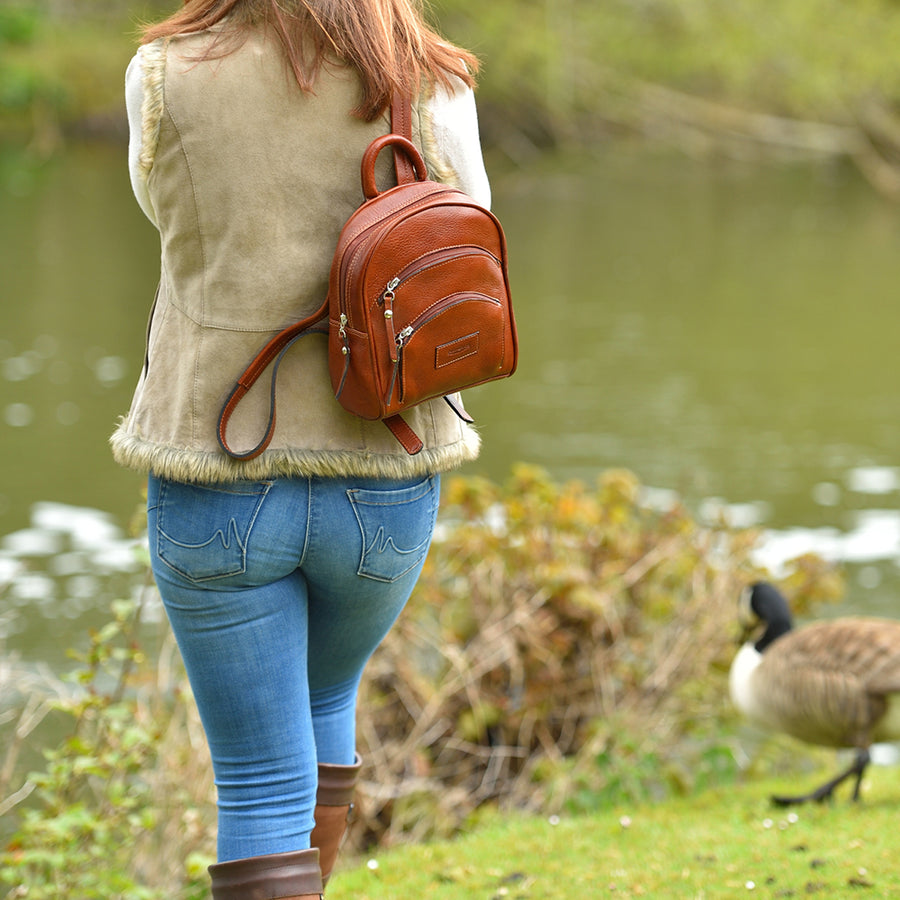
[
  {"x": 396, "y": 526},
  {"x": 202, "y": 531}
]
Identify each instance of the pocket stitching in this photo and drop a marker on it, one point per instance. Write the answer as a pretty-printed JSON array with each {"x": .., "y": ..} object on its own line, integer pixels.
[
  {"x": 357, "y": 503},
  {"x": 242, "y": 568}
]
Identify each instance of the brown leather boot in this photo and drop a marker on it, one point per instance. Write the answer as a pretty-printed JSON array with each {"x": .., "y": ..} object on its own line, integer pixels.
[
  {"x": 334, "y": 800},
  {"x": 278, "y": 876}
]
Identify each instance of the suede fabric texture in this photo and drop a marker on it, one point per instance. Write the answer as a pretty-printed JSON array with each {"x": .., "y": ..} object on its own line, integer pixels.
[{"x": 251, "y": 181}]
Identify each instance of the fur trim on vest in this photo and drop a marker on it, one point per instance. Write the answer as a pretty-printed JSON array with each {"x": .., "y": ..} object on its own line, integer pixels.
[{"x": 211, "y": 467}]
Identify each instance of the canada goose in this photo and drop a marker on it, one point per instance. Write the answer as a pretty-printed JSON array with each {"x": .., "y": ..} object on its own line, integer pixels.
[{"x": 833, "y": 683}]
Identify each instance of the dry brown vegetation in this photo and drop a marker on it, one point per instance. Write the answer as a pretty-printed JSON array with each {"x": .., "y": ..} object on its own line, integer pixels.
[{"x": 566, "y": 645}]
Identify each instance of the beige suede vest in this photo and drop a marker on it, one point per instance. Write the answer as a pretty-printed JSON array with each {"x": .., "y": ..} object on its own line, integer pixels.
[{"x": 251, "y": 181}]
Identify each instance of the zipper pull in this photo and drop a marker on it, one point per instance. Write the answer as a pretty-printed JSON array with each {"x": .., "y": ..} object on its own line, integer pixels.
[
  {"x": 387, "y": 301},
  {"x": 388, "y": 293},
  {"x": 342, "y": 333},
  {"x": 399, "y": 341}
]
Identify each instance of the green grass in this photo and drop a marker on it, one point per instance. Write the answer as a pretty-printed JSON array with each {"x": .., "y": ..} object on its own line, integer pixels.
[{"x": 723, "y": 843}]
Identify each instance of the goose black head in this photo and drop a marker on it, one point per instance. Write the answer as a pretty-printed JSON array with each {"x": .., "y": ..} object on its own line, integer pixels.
[{"x": 763, "y": 604}]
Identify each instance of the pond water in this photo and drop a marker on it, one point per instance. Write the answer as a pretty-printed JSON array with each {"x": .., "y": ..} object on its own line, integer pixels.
[{"x": 726, "y": 331}]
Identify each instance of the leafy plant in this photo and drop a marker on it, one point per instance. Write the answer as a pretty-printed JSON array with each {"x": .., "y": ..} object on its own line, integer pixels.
[
  {"x": 18, "y": 24},
  {"x": 93, "y": 823}
]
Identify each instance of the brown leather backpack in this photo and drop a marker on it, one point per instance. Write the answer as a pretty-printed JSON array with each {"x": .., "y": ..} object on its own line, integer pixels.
[{"x": 418, "y": 303}]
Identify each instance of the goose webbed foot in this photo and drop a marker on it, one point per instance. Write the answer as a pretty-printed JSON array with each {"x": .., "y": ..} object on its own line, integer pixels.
[{"x": 826, "y": 791}]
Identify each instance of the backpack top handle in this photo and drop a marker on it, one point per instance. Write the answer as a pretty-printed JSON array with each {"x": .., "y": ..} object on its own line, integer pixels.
[{"x": 401, "y": 145}]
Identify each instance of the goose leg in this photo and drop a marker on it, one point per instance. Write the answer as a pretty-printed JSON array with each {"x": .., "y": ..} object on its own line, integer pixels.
[
  {"x": 862, "y": 760},
  {"x": 823, "y": 793}
]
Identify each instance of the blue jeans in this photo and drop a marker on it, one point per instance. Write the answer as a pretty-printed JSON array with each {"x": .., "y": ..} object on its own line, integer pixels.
[{"x": 278, "y": 593}]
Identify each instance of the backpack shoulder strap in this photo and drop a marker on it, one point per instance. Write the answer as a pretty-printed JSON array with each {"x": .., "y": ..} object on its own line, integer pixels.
[
  {"x": 273, "y": 351},
  {"x": 401, "y": 123}
]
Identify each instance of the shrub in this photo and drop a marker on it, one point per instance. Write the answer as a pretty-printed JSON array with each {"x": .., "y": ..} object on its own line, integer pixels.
[{"x": 565, "y": 647}]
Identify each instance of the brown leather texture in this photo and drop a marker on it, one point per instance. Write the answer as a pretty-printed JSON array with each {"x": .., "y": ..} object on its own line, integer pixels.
[
  {"x": 419, "y": 301},
  {"x": 331, "y": 824},
  {"x": 289, "y": 876},
  {"x": 334, "y": 800}
]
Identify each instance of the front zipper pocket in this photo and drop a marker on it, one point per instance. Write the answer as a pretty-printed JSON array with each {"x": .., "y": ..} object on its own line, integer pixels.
[
  {"x": 432, "y": 259},
  {"x": 476, "y": 333},
  {"x": 418, "y": 266}
]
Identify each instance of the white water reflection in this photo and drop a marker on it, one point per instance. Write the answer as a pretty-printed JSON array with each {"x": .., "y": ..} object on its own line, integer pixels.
[
  {"x": 75, "y": 539},
  {"x": 30, "y": 542},
  {"x": 870, "y": 542},
  {"x": 874, "y": 537},
  {"x": 9, "y": 569},
  {"x": 715, "y": 510},
  {"x": 18, "y": 415},
  {"x": 18, "y": 368},
  {"x": 33, "y": 589},
  {"x": 873, "y": 479},
  {"x": 88, "y": 529},
  {"x": 110, "y": 369},
  {"x": 69, "y": 564},
  {"x": 827, "y": 493}
]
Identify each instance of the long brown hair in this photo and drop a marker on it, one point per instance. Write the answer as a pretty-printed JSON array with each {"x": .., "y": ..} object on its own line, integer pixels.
[{"x": 387, "y": 41}]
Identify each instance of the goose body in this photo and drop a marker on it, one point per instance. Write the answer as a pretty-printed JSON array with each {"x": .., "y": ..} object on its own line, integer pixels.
[{"x": 834, "y": 683}]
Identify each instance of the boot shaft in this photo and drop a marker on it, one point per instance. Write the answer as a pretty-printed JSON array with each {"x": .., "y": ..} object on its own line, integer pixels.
[
  {"x": 276, "y": 876},
  {"x": 334, "y": 801}
]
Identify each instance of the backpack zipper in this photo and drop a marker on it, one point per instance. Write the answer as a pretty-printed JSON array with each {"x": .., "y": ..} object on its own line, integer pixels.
[{"x": 432, "y": 259}]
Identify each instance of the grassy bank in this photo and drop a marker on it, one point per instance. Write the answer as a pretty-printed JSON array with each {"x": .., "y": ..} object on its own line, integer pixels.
[
  {"x": 723, "y": 843},
  {"x": 746, "y": 78},
  {"x": 62, "y": 76}
]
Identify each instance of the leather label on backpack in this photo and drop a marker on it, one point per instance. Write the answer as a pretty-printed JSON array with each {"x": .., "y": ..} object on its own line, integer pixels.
[{"x": 454, "y": 351}]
